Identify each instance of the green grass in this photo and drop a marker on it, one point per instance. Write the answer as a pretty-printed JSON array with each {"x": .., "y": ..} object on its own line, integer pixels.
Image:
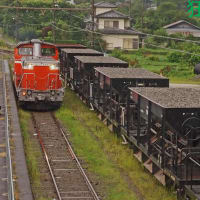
[
  {"x": 111, "y": 162},
  {"x": 31, "y": 155},
  {"x": 180, "y": 72}
]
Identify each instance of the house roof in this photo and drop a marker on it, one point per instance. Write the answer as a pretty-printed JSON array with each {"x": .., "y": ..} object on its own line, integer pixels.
[
  {"x": 104, "y": 5},
  {"x": 129, "y": 73},
  {"x": 112, "y": 14},
  {"x": 171, "y": 97},
  {"x": 117, "y": 31},
  {"x": 180, "y": 22}
]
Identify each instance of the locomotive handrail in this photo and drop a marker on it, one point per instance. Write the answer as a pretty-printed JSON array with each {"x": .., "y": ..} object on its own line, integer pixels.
[
  {"x": 49, "y": 86},
  {"x": 40, "y": 78},
  {"x": 23, "y": 78}
]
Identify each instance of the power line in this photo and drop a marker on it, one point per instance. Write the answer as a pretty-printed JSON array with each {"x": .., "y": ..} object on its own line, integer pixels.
[
  {"x": 153, "y": 35},
  {"x": 65, "y": 30},
  {"x": 55, "y": 8},
  {"x": 177, "y": 50},
  {"x": 172, "y": 38},
  {"x": 87, "y": 9}
]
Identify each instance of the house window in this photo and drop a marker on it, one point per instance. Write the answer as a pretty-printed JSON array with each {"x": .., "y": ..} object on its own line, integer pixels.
[
  {"x": 109, "y": 45},
  {"x": 128, "y": 43},
  {"x": 115, "y": 24},
  {"x": 107, "y": 24},
  {"x": 135, "y": 44}
]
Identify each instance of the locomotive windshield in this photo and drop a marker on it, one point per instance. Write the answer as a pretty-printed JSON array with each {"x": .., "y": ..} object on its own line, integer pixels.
[
  {"x": 26, "y": 51},
  {"x": 48, "y": 51}
]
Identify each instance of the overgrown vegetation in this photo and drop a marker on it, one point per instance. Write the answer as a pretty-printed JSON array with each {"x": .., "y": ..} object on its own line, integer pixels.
[
  {"x": 112, "y": 163},
  {"x": 177, "y": 66},
  {"x": 31, "y": 155}
]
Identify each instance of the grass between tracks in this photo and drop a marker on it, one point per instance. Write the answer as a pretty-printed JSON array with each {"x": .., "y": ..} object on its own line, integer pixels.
[
  {"x": 117, "y": 170},
  {"x": 31, "y": 154}
]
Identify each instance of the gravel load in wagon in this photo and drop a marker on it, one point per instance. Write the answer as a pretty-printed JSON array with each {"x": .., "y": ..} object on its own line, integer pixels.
[
  {"x": 81, "y": 51},
  {"x": 100, "y": 60},
  {"x": 132, "y": 73},
  {"x": 75, "y": 46},
  {"x": 171, "y": 97}
]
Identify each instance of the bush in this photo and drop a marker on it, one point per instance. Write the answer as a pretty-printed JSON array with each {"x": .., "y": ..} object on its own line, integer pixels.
[
  {"x": 153, "y": 58},
  {"x": 134, "y": 63},
  {"x": 174, "y": 57},
  {"x": 117, "y": 53}
]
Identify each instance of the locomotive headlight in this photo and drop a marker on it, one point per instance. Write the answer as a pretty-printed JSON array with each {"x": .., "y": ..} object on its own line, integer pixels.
[
  {"x": 28, "y": 66},
  {"x": 53, "y": 67}
]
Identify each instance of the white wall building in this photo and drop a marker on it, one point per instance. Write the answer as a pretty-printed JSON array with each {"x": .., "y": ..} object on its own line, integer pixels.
[{"x": 115, "y": 27}]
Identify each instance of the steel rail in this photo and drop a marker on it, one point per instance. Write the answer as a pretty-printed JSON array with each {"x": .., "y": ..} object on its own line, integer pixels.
[
  {"x": 47, "y": 160},
  {"x": 8, "y": 157},
  {"x": 90, "y": 187},
  {"x": 6, "y": 51}
]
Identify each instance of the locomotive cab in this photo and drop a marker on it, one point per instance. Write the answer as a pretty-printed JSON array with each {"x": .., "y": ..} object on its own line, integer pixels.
[{"x": 37, "y": 73}]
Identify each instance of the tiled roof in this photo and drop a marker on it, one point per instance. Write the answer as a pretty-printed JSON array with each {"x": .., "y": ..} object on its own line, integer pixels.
[
  {"x": 112, "y": 14},
  {"x": 133, "y": 73},
  {"x": 179, "y": 22},
  {"x": 104, "y": 5},
  {"x": 120, "y": 31}
]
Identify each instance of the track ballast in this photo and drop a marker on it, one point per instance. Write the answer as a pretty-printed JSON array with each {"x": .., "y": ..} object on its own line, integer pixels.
[{"x": 68, "y": 176}]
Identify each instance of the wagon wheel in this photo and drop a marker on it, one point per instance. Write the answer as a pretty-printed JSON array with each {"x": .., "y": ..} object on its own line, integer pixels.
[{"x": 190, "y": 128}]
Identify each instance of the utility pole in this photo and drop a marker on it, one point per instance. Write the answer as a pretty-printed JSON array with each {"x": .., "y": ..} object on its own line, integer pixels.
[
  {"x": 17, "y": 19},
  {"x": 93, "y": 14},
  {"x": 54, "y": 23},
  {"x": 130, "y": 6},
  {"x": 142, "y": 19}
]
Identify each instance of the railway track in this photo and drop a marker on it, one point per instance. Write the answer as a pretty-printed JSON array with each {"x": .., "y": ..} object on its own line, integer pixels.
[
  {"x": 6, "y": 174},
  {"x": 5, "y": 51},
  {"x": 69, "y": 178}
]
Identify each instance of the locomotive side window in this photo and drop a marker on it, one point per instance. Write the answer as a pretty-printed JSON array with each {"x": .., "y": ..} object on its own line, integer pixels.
[
  {"x": 48, "y": 51},
  {"x": 25, "y": 51}
]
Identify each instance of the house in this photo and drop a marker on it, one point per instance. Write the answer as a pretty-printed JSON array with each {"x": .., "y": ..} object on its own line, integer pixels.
[
  {"x": 103, "y": 7},
  {"x": 115, "y": 27},
  {"x": 184, "y": 27},
  {"x": 71, "y": 2}
]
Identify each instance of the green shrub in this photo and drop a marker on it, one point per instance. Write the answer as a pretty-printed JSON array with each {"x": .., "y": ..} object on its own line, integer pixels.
[
  {"x": 153, "y": 58},
  {"x": 174, "y": 57}
]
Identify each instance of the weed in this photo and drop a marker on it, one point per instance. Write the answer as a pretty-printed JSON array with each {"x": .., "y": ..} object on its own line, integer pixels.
[{"x": 106, "y": 157}]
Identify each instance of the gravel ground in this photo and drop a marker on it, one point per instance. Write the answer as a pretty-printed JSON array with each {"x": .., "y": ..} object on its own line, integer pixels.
[
  {"x": 3, "y": 171},
  {"x": 70, "y": 181}
]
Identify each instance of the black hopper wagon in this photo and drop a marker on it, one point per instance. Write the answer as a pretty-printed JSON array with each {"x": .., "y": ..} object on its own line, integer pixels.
[
  {"x": 68, "y": 67},
  {"x": 164, "y": 128},
  {"x": 111, "y": 91},
  {"x": 86, "y": 69}
]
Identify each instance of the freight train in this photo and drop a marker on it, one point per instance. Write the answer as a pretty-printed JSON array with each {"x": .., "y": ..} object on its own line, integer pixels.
[{"x": 162, "y": 124}]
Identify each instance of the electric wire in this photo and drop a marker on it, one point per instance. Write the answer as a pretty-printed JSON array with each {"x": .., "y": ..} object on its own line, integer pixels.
[
  {"x": 157, "y": 46},
  {"x": 148, "y": 34}
]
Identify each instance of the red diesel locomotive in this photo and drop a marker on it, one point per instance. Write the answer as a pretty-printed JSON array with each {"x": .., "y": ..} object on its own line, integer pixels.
[{"x": 36, "y": 75}]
